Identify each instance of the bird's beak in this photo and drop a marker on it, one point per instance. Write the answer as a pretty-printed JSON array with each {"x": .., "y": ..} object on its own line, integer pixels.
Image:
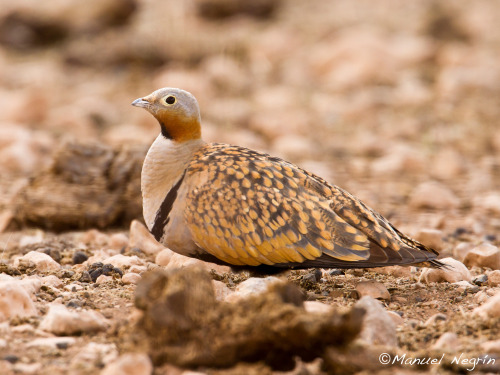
[{"x": 141, "y": 102}]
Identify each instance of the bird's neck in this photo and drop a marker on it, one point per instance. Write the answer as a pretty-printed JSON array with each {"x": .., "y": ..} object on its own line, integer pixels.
[{"x": 164, "y": 165}]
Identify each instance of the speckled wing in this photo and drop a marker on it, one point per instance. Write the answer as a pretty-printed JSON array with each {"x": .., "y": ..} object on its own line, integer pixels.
[{"x": 253, "y": 209}]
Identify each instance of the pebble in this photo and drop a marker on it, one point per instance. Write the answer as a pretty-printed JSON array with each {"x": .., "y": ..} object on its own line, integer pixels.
[
  {"x": 396, "y": 318},
  {"x": 130, "y": 278},
  {"x": 138, "y": 269},
  {"x": 378, "y": 327},
  {"x": 373, "y": 289},
  {"x": 42, "y": 262},
  {"x": 3, "y": 344},
  {"x": 490, "y": 309},
  {"x": 448, "y": 342},
  {"x": 27, "y": 368},
  {"x": 439, "y": 317},
  {"x": 52, "y": 281},
  {"x": 317, "y": 307},
  {"x": 98, "y": 269},
  {"x": 141, "y": 238},
  {"x": 129, "y": 364},
  {"x": 491, "y": 347},
  {"x": 73, "y": 287},
  {"x": 484, "y": 255},
  {"x": 433, "y": 195},
  {"x": 163, "y": 257},
  {"x": 103, "y": 279},
  {"x": 432, "y": 238},
  {"x": 221, "y": 290},
  {"x": 483, "y": 295},
  {"x": 61, "y": 321},
  {"x": 15, "y": 301},
  {"x": 462, "y": 286},
  {"x": 179, "y": 261},
  {"x": 118, "y": 241},
  {"x": 79, "y": 257},
  {"x": 480, "y": 280},
  {"x": 253, "y": 285},
  {"x": 489, "y": 203},
  {"x": 52, "y": 342},
  {"x": 94, "y": 353},
  {"x": 461, "y": 250},
  {"x": 493, "y": 278},
  {"x": 456, "y": 272},
  {"x": 122, "y": 261}
]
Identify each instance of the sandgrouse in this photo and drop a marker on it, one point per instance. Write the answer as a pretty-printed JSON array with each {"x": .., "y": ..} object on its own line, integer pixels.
[{"x": 239, "y": 207}]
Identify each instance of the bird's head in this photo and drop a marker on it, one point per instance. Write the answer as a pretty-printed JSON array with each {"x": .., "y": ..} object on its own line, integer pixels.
[{"x": 176, "y": 110}]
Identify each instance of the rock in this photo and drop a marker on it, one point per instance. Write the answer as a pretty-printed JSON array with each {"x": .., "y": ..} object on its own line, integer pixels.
[
  {"x": 27, "y": 368},
  {"x": 52, "y": 342},
  {"x": 79, "y": 257},
  {"x": 435, "y": 318},
  {"x": 98, "y": 269},
  {"x": 461, "y": 250},
  {"x": 118, "y": 241},
  {"x": 448, "y": 342},
  {"x": 378, "y": 327},
  {"x": 15, "y": 301},
  {"x": 489, "y": 203},
  {"x": 94, "y": 354},
  {"x": 141, "y": 238},
  {"x": 456, "y": 272},
  {"x": 221, "y": 290},
  {"x": 181, "y": 261},
  {"x": 484, "y": 255},
  {"x": 138, "y": 269},
  {"x": 251, "y": 286},
  {"x": 483, "y": 295},
  {"x": 103, "y": 279},
  {"x": 373, "y": 289},
  {"x": 130, "y": 278},
  {"x": 122, "y": 261},
  {"x": 129, "y": 364},
  {"x": 61, "y": 321},
  {"x": 52, "y": 280},
  {"x": 396, "y": 318},
  {"x": 480, "y": 280},
  {"x": 432, "y": 238},
  {"x": 163, "y": 257},
  {"x": 317, "y": 307},
  {"x": 462, "y": 286},
  {"x": 490, "y": 309},
  {"x": 491, "y": 347},
  {"x": 42, "y": 262},
  {"x": 433, "y": 195},
  {"x": 494, "y": 278}
]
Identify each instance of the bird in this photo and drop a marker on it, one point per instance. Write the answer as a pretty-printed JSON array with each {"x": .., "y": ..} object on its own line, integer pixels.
[{"x": 244, "y": 208}]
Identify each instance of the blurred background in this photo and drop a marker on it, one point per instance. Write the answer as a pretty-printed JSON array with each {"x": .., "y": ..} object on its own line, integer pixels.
[{"x": 398, "y": 102}]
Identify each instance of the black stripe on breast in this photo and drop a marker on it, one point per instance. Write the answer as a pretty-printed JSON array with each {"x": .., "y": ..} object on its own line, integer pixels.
[{"x": 162, "y": 218}]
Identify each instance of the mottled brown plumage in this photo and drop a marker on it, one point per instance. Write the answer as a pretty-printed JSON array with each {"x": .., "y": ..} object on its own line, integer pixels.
[{"x": 241, "y": 207}]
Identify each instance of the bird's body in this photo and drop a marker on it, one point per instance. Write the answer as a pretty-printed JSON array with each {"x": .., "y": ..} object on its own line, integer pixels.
[{"x": 240, "y": 207}]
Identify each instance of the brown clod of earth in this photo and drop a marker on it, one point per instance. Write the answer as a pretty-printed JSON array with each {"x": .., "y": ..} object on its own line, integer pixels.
[
  {"x": 88, "y": 185},
  {"x": 183, "y": 324}
]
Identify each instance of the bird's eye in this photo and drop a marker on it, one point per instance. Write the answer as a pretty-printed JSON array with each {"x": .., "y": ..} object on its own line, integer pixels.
[{"x": 170, "y": 100}]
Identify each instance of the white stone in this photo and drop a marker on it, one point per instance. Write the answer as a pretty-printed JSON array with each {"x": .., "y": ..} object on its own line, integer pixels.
[
  {"x": 456, "y": 272},
  {"x": 490, "y": 309},
  {"x": 448, "y": 342},
  {"x": 104, "y": 279},
  {"x": 129, "y": 364},
  {"x": 15, "y": 301},
  {"x": 317, "y": 307},
  {"x": 461, "y": 250},
  {"x": 118, "y": 241},
  {"x": 462, "y": 286},
  {"x": 221, "y": 290},
  {"x": 396, "y": 318},
  {"x": 141, "y": 238},
  {"x": 42, "y": 261},
  {"x": 252, "y": 286},
  {"x": 131, "y": 278},
  {"x": 179, "y": 261},
  {"x": 433, "y": 195},
  {"x": 27, "y": 368},
  {"x": 51, "y": 342},
  {"x": 61, "y": 321},
  {"x": 31, "y": 284},
  {"x": 3, "y": 344},
  {"x": 378, "y": 327},
  {"x": 484, "y": 255},
  {"x": 52, "y": 281},
  {"x": 163, "y": 257},
  {"x": 122, "y": 261},
  {"x": 373, "y": 289}
]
